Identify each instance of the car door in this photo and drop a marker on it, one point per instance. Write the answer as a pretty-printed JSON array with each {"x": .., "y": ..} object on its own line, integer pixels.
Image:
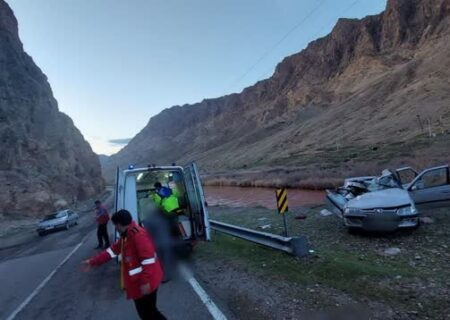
[
  {"x": 431, "y": 188},
  {"x": 197, "y": 202},
  {"x": 65, "y": 216},
  {"x": 70, "y": 217}
]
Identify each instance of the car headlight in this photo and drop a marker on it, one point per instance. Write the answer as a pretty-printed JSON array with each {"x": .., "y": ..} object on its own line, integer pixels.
[
  {"x": 351, "y": 211},
  {"x": 407, "y": 211}
]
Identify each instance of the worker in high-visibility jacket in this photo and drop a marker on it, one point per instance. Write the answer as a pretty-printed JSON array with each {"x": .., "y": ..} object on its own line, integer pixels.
[
  {"x": 141, "y": 272},
  {"x": 175, "y": 183},
  {"x": 168, "y": 203},
  {"x": 165, "y": 198}
]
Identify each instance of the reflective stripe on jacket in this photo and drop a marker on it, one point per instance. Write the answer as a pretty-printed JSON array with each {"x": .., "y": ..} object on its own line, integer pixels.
[{"x": 139, "y": 264}]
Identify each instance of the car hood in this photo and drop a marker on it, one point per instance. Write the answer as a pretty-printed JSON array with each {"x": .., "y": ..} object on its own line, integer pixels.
[
  {"x": 387, "y": 198},
  {"x": 52, "y": 222}
]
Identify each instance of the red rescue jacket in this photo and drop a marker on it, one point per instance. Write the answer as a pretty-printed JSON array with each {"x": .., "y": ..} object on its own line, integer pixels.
[
  {"x": 138, "y": 262},
  {"x": 103, "y": 217}
]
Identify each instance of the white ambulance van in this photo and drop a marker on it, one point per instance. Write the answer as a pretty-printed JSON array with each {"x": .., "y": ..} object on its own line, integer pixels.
[{"x": 135, "y": 185}]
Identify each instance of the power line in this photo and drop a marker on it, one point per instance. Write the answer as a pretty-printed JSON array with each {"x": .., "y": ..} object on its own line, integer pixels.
[
  {"x": 343, "y": 12},
  {"x": 267, "y": 52},
  {"x": 339, "y": 16}
]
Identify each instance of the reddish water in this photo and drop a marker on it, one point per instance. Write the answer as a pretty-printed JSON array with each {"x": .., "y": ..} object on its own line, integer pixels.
[{"x": 265, "y": 197}]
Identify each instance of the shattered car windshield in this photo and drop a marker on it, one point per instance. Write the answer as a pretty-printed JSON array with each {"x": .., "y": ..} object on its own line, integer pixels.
[{"x": 386, "y": 181}]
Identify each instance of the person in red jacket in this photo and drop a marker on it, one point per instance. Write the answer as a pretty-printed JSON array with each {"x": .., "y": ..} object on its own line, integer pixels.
[
  {"x": 102, "y": 217},
  {"x": 141, "y": 272}
]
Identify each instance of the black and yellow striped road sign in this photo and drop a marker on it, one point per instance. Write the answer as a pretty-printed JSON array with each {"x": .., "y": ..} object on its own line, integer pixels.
[{"x": 282, "y": 201}]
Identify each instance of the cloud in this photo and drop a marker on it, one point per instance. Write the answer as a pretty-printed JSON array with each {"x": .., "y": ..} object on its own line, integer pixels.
[
  {"x": 120, "y": 142},
  {"x": 102, "y": 145}
]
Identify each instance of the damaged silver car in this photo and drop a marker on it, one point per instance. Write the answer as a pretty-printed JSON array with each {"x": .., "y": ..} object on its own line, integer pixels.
[{"x": 392, "y": 200}]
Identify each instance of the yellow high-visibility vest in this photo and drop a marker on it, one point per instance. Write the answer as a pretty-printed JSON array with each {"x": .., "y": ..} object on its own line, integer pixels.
[{"x": 170, "y": 203}]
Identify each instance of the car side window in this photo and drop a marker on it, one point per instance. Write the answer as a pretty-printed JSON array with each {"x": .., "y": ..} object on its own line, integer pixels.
[{"x": 434, "y": 178}]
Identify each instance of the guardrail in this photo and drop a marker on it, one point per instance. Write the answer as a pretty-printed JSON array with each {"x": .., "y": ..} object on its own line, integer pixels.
[{"x": 297, "y": 246}]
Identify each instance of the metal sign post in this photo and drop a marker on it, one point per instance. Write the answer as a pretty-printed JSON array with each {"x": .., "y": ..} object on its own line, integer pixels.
[{"x": 282, "y": 204}]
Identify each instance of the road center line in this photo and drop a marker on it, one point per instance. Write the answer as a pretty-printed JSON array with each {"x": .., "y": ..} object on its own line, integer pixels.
[
  {"x": 204, "y": 297},
  {"x": 45, "y": 281}
]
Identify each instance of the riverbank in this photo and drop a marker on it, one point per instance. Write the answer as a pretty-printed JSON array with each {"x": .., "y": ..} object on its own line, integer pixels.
[
  {"x": 403, "y": 275},
  {"x": 274, "y": 178},
  {"x": 263, "y": 197},
  {"x": 327, "y": 167}
]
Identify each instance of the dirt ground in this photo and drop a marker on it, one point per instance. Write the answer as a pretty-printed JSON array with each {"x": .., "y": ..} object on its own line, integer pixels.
[{"x": 350, "y": 276}]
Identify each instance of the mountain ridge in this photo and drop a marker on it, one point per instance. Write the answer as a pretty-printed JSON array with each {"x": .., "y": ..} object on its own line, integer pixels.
[
  {"x": 44, "y": 157},
  {"x": 372, "y": 65}
]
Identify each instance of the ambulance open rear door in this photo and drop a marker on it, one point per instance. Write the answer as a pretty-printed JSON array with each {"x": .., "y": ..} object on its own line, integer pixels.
[{"x": 197, "y": 203}]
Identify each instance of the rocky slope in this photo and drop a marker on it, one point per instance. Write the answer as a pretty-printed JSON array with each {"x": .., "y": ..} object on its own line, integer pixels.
[
  {"x": 103, "y": 158},
  {"x": 374, "y": 92},
  {"x": 43, "y": 158}
]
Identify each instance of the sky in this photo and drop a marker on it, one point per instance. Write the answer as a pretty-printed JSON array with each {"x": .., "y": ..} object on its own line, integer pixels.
[{"x": 112, "y": 64}]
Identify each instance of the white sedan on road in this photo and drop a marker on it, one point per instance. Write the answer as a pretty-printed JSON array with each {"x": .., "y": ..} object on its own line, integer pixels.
[{"x": 60, "y": 220}]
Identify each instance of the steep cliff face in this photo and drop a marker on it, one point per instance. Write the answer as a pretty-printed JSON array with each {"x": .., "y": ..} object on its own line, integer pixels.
[
  {"x": 43, "y": 156},
  {"x": 370, "y": 82}
]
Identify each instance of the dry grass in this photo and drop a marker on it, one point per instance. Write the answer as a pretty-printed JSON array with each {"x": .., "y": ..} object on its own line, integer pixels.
[
  {"x": 308, "y": 183},
  {"x": 328, "y": 168}
]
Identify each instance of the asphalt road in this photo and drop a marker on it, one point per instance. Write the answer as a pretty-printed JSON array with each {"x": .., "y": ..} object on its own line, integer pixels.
[{"x": 72, "y": 293}]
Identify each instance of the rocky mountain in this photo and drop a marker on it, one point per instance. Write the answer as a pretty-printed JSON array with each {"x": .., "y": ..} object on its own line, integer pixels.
[
  {"x": 103, "y": 158},
  {"x": 372, "y": 93},
  {"x": 44, "y": 158}
]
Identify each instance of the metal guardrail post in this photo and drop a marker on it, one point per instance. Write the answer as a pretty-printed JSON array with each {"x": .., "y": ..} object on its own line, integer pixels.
[{"x": 297, "y": 246}]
